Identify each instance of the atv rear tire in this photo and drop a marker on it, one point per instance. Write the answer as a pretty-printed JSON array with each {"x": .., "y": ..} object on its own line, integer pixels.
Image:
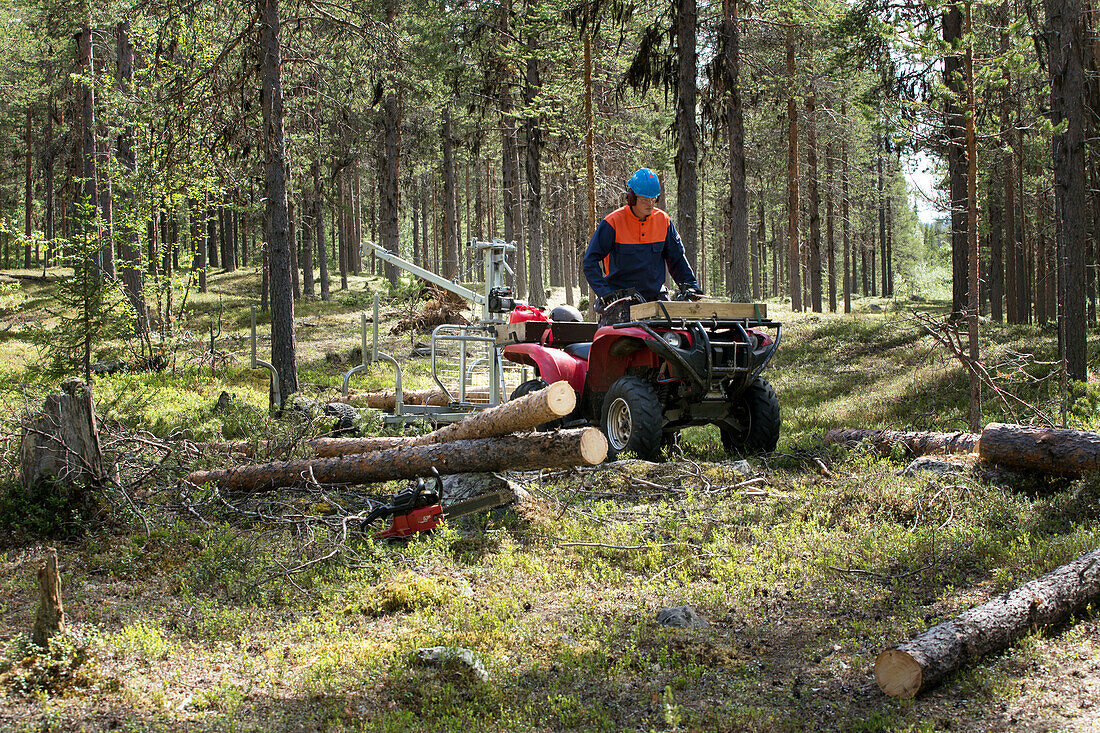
[
  {"x": 631, "y": 419},
  {"x": 526, "y": 388},
  {"x": 757, "y": 409}
]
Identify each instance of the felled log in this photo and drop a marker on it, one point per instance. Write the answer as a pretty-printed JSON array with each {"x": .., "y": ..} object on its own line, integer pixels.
[
  {"x": 1050, "y": 450},
  {"x": 913, "y": 443},
  {"x": 524, "y": 413},
  {"x": 50, "y": 618},
  {"x": 518, "y": 452},
  {"x": 1048, "y": 600},
  {"x": 387, "y": 399},
  {"x": 62, "y": 441}
]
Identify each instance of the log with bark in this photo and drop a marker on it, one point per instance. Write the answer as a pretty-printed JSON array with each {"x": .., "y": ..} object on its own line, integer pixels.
[
  {"x": 524, "y": 413},
  {"x": 1049, "y": 450},
  {"x": 913, "y": 443},
  {"x": 387, "y": 399},
  {"x": 1049, "y": 600},
  {"x": 518, "y": 452}
]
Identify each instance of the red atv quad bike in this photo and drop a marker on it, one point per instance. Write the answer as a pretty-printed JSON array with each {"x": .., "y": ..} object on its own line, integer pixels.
[{"x": 643, "y": 381}]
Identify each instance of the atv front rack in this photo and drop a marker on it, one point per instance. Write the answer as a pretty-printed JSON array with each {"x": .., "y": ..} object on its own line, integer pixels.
[{"x": 726, "y": 351}]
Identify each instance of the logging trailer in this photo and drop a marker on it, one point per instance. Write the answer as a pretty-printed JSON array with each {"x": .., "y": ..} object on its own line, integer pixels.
[
  {"x": 466, "y": 363},
  {"x": 672, "y": 365}
]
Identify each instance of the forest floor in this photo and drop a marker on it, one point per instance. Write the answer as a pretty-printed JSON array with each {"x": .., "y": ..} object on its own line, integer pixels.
[{"x": 209, "y": 622}]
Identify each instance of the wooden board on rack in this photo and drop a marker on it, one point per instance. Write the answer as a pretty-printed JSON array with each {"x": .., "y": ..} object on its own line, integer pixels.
[
  {"x": 521, "y": 333},
  {"x": 698, "y": 309}
]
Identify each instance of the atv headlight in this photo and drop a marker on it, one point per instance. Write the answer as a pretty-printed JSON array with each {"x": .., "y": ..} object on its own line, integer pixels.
[{"x": 673, "y": 339}]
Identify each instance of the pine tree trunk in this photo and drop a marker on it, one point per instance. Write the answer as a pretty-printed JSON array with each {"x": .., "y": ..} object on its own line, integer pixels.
[
  {"x": 996, "y": 247},
  {"x": 318, "y": 206},
  {"x": 794, "y": 263},
  {"x": 971, "y": 231},
  {"x": 198, "y": 241},
  {"x": 357, "y": 217},
  {"x": 1009, "y": 171},
  {"x": 686, "y": 160},
  {"x": 761, "y": 254},
  {"x": 814, "y": 258},
  {"x": 881, "y": 200},
  {"x": 88, "y": 193},
  {"x": 28, "y": 186},
  {"x": 129, "y": 243},
  {"x": 341, "y": 228},
  {"x": 292, "y": 240},
  {"x": 1023, "y": 271},
  {"x": 283, "y": 347},
  {"x": 450, "y": 207},
  {"x": 1066, "y": 33},
  {"x": 49, "y": 223},
  {"x": 589, "y": 135},
  {"x": 533, "y": 136},
  {"x": 739, "y": 275},
  {"x": 845, "y": 224},
  {"x": 956, "y": 159},
  {"x": 212, "y": 222}
]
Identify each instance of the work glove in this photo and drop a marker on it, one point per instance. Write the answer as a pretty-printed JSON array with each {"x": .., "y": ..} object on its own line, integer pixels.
[{"x": 690, "y": 292}]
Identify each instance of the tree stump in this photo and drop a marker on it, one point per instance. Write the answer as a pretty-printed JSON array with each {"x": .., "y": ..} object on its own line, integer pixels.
[
  {"x": 50, "y": 618},
  {"x": 62, "y": 441}
]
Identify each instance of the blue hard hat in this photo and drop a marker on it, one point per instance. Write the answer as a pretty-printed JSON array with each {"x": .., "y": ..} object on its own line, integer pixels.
[{"x": 644, "y": 182}]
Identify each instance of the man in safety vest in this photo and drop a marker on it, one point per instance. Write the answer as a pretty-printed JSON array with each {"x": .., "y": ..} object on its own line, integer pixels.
[{"x": 631, "y": 248}]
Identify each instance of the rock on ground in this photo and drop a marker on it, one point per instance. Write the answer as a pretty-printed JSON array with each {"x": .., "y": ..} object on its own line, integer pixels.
[
  {"x": 936, "y": 466},
  {"x": 455, "y": 658},
  {"x": 684, "y": 617}
]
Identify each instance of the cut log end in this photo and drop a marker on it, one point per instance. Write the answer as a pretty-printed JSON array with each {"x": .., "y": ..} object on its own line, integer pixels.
[
  {"x": 560, "y": 398},
  {"x": 898, "y": 674},
  {"x": 593, "y": 446}
]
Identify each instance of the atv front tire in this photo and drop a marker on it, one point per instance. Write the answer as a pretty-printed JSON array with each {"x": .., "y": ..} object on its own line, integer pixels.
[
  {"x": 632, "y": 419},
  {"x": 757, "y": 411}
]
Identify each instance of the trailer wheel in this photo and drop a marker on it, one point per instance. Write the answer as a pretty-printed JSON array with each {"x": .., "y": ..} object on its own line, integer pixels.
[
  {"x": 756, "y": 428},
  {"x": 632, "y": 419}
]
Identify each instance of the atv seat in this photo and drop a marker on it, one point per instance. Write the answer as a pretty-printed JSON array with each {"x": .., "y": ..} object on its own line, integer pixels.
[{"x": 579, "y": 350}]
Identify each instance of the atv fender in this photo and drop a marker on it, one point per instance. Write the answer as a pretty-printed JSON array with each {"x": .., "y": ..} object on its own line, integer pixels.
[
  {"x": 552, "y": 364},
  {"x": 614, "y": 351}
]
